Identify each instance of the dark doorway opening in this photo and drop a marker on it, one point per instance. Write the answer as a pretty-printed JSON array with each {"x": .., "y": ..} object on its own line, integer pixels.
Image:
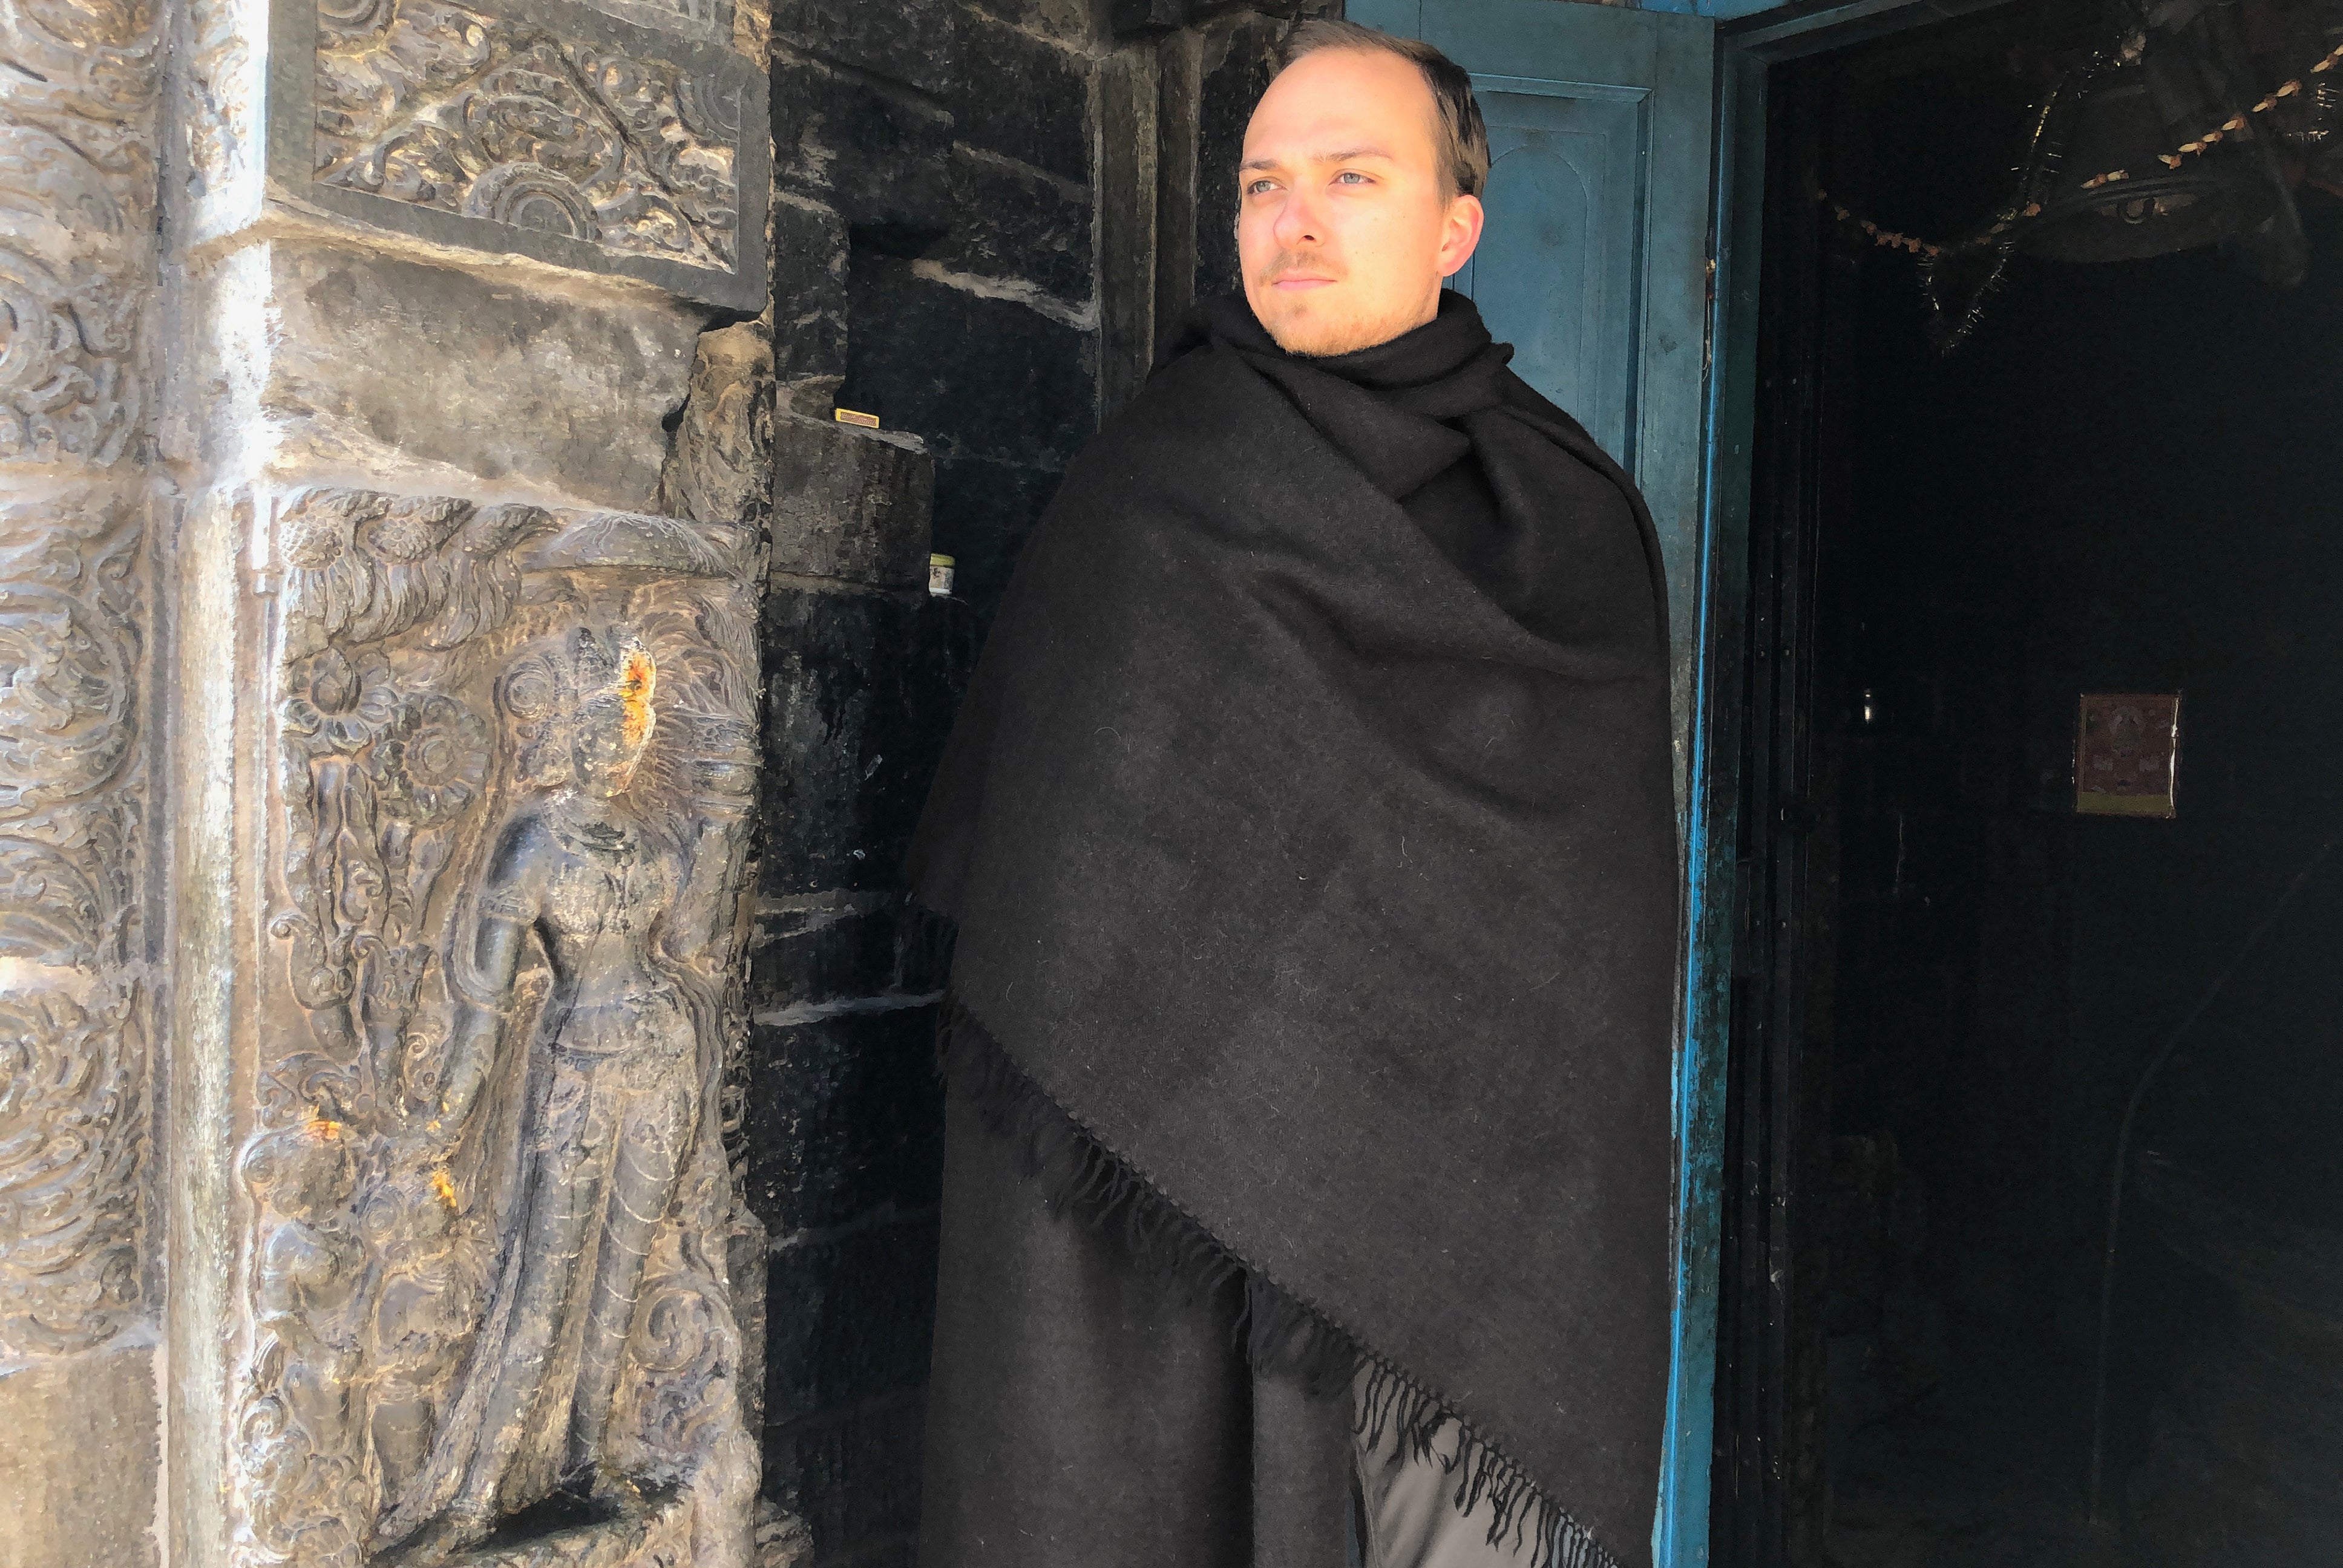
[{"x": 1948, "y": 981}]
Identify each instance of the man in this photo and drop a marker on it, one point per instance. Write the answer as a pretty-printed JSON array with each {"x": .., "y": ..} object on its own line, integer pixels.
[{"x": 1309, "y": 830}]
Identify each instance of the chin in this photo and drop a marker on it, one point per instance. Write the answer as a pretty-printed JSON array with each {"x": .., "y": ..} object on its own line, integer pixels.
[{"x": 1322, "y": 334}]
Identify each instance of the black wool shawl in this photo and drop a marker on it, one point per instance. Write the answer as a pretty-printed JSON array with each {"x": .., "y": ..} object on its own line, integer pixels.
[{"x": 1309, "y": 833}]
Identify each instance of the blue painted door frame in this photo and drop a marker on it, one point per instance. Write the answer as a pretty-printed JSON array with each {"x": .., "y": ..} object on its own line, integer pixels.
[
  {"x": 1549, "y": 65},
  {"x": 1601, "y": 202}
]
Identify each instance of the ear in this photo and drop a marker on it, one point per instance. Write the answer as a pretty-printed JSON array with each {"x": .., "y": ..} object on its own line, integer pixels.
[{"x": 1460, "y": 233}]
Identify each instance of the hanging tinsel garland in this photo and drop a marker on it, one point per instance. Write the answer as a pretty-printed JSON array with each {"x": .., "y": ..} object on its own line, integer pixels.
[{"x": 1986, "y": 252}]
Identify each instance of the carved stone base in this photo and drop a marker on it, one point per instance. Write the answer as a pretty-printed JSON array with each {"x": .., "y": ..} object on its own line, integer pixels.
[{"x": 658, "y": 1536}]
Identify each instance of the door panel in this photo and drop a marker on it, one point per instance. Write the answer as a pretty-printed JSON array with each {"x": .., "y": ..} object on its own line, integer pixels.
[
  {"x": 1553, "y": 278},
  {"x": 1594, "y": 264},
  {"x": 1611, "y": 315}
]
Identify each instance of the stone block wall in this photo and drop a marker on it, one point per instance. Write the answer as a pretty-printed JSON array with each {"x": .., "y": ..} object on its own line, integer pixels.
[
  {"x": 982, "y": 211},
  {"x": 452, "y": 361},
  {"x": 324, "y": 349}
]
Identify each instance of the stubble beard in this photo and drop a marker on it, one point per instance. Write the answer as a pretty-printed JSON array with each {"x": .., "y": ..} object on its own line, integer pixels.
[{"x": 1304, "y": 325}]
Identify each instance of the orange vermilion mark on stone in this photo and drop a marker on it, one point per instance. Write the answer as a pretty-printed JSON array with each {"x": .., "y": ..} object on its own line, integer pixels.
[
  {"x": 322, "y": 1128},
  {"x": 636, "y": 682},
  {"x": 445, "y": 1187}
]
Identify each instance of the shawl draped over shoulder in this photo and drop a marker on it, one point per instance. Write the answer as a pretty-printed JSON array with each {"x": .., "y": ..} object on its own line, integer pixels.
[{"x": 1310, "y": 832}]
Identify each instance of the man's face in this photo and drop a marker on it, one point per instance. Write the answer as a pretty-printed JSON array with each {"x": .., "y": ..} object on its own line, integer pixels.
[{"x": 1343, "y": 228}]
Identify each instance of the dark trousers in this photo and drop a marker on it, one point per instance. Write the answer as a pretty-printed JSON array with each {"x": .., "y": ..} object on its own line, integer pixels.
[{"x": 1087, "y": 1412}]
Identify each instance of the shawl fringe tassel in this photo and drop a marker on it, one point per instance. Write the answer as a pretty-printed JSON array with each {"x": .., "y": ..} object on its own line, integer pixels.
[{"x": 1282, "y": 1336}]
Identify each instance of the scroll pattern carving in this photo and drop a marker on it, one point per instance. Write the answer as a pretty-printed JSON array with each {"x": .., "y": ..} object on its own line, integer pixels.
[
  {"x": 76, "y": 225},
  {"x": 217, "y": 126},
  {"x": 451, "y": 107},
  {"x": 71, "y": 1048},
  {"x": 516, "y": 756},
  {"x": 78, "y": 100}
]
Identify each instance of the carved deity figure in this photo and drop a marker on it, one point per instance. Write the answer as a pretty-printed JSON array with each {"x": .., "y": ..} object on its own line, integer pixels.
[{"x": 583, "y": 1124}]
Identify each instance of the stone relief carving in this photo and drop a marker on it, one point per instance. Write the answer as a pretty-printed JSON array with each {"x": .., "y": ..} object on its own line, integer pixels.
[
  {"x": 78, "y": 80},
  {"x": 76, "y": 205},
  {"x": 71, "y": 1048},
  {"x": 457, "y": 109},
  {"x": 216, "y": 123},
  {"x": 712, "y": 19},
  {"x": 721, "y": 468},
  {"x": 69, "y": 1198},
  {"x": 488, "y": 1282}
]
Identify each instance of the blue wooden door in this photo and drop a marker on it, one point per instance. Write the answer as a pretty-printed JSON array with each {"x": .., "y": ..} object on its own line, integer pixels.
[{"x": 1594, "y": 266}]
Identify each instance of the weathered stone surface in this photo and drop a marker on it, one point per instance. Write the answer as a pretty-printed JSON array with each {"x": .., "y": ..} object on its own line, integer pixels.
[
  {"x": 855, "y": 1474},
  {"x": 816, "y": 948},
  {"x": 77, "y": 255},
  {"x": 914, "y": 42},
  {"x": 72, "y": 1070},
  {"x": 1180, "y": 74},
  {"x": 511, "y": 749},
  {"x": 719, "y": 461},
  {"x": 850, "y": 1112},
  {"x": 1226, "y": 94},
  {"x": 851, "y": 503},
  {"x": 80, "y": 1456},
  {"x": 1130, "y": 95},
  {"x": 1018, "y": 224},
  {"x": 79, "y": 156},
  {"x": 976, "y": 376},
  {"x": 851, "y": 1316},
  {"x": 873, "y": 151},
  {"x": 748, "y": 1257},
  {"x": 540, "y": 127},
  {"x": 224, "y": 83},
  {"x": 819, "y": 947},
  {"x": 1072, "y": 22},
  {"x": 397, "y": 368},
  {"x": 808, "y": 308},
  {"x": 715, "y": 20},
  {"x": 783, "y": 1539},
  {"x": 860, "y": 692},
  {"x": 985, "y": 511},
  {"x": 644, "y": 1534},
  {"x": 1140, "y": 18},
  {"x": 1044, "y": 119}
]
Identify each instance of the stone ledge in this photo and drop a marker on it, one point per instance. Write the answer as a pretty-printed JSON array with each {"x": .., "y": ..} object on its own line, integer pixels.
[{"x": 850, "y": 504}]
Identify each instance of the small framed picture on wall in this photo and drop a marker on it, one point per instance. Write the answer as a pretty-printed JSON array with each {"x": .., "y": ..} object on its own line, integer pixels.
[{"x": 2128, "y": 754}]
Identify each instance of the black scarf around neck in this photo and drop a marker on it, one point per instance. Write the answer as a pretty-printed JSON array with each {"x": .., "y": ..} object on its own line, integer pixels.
[{"x": 1310, "y": 832}]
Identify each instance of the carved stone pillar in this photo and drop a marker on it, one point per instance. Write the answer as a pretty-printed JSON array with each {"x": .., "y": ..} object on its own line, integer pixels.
[
  {"x": 78, "y": 88},
  {"x": 461, "y": 749}
]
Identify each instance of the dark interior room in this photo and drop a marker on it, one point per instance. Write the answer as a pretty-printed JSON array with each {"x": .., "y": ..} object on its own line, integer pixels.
[{"x": 1997, "y": 507}]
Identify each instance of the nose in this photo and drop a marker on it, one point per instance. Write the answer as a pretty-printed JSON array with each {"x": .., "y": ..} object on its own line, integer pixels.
[{"x": 1299, "y": 222}]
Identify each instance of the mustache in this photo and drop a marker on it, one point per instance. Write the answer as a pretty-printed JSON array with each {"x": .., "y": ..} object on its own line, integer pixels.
[{"x": 1287, "y": 261}]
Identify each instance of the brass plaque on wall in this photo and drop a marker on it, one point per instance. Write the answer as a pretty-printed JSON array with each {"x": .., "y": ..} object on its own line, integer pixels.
[{"x": 2127, "y": 753}]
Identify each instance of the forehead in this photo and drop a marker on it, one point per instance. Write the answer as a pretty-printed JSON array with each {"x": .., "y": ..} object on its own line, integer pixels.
[{"x": 1341, "y": 100}]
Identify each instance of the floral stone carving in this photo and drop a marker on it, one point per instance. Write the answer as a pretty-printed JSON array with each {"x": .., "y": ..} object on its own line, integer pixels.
[
  {"x": 579, "y": 137},
  {"x": 487, "y": 1281}
]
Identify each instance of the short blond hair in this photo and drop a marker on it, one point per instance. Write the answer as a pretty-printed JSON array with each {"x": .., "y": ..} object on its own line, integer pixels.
[{"x": 1462, "y": 138}]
